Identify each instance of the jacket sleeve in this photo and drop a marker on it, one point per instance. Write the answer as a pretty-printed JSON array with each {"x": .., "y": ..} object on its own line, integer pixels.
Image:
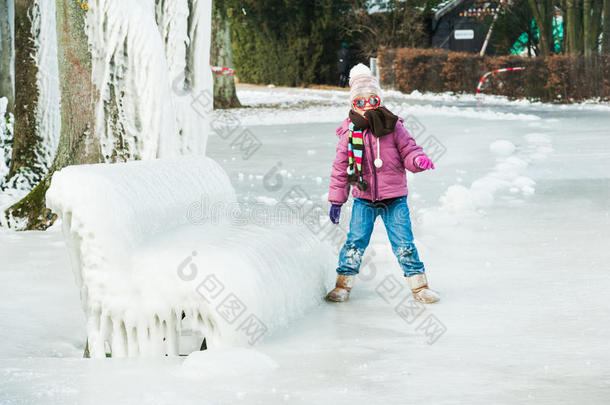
[
  {"x": 407, "y": 148},
  {"x": 338, "y": 191}
]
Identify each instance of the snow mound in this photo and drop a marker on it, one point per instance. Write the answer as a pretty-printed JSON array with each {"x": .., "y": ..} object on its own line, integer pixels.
[
  {"x": 227, "y": 362},
  {"x": 507, "y": 176},
  {"x": 156, "y": 253},
  {"x": 502, "y": 148}
]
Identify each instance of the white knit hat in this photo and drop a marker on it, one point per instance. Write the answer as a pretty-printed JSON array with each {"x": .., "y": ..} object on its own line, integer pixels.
[{"x": 361, "y": 81}]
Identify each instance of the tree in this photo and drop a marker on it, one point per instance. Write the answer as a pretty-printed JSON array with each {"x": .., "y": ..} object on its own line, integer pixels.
[
  {"x": 514, "y": 27},
  {"x": 573, "y": 26},
  {"x": 584, "y": 25},
  {"x": 544, "y": 12},
  {"x": 394, "y": 24},
  {"x": 287, "y": 42},
  {"x": 221, "y": 54},
  {"x": 7, "y": 53},
  {"x": 606, "y": 28},
  {"x": 76, "y": 143},
  {"x": 27, "y": 140},
  {"x": 592, "y": 13}
]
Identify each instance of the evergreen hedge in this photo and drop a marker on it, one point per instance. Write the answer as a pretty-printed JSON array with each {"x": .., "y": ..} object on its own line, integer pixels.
[{"x": 289, "y": 42}]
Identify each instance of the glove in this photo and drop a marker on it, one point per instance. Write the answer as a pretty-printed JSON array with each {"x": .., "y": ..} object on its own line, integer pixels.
[
  {"x": 335, "y": 213},
  {"x": 424, "y": 162}
]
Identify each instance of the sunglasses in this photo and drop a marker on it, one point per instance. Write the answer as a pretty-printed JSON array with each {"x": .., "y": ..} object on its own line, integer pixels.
[{"x": 361, "y": 102}]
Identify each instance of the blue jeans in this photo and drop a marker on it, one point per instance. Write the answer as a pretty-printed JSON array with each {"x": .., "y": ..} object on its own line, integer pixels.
[{"x": 398, "y": 225}]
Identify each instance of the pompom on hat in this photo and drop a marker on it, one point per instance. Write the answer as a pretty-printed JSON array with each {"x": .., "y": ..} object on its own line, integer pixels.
[{"x": 362, "y": 82}]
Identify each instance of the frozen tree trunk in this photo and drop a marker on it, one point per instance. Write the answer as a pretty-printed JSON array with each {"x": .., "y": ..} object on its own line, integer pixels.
[
  {"x": 7, "y": 88},
  {"x": 221, "y": 55},
  {"x": 26, "y": 140},
  {"x": 76, "y": 143},
  {"x": 185, "y": 27},
  {"x": 37, "y": 117}
]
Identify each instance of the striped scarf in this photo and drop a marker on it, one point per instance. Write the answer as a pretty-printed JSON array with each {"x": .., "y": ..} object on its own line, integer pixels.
[{"x": 355, "y": 150}]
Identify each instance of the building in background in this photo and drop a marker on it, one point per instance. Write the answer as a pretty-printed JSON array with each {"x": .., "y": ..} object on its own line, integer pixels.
[{"x": 461, "y": 25}]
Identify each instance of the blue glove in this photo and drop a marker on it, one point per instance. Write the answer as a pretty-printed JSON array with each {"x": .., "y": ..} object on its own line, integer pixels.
[{"x": 335, "y": 213}]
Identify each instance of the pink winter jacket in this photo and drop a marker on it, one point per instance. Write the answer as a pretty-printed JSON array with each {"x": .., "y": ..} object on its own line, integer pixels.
[{"x": 398, "y": 152}]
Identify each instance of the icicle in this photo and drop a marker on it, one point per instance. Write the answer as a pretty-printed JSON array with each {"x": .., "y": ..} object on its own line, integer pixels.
[{"x": 119, "y": 338}]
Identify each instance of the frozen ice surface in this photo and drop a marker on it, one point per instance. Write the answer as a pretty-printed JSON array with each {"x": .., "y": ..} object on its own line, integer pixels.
[{"x": 523, "y": 278}]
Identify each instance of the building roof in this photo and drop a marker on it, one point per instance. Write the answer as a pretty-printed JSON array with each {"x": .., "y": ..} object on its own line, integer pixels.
[{"x": 446, "y": 7}]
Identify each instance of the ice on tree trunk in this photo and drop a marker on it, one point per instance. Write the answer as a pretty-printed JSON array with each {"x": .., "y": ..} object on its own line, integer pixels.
[
  {"x": 132, "y": 87},
  {"x": 7, "y": 53},
  {"x": 153, "y": 240},
  {"x": 6, "y": 137},
  {"x": 37, "y": 119},
  {"x": 140, "y": 64}
]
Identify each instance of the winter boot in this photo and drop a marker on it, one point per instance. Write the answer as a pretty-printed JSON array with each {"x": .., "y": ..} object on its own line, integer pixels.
[
  {"x": 342, "y": 288},
  {"x": 419, "y": 286}
]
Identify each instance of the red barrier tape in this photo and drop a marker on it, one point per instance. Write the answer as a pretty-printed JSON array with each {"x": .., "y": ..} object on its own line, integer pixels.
[
  {"x": 495, "y": 71},
  {"x": 220, "y": 70}
]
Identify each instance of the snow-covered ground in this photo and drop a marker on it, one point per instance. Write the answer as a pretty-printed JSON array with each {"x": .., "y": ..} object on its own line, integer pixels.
[{"x": 513, "y": 226}]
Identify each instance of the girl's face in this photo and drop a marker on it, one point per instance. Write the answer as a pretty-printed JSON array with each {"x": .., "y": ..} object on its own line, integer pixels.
[{"x": 367, "y": 105}]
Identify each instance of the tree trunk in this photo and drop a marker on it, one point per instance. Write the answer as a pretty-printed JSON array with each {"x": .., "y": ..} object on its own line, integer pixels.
[
  {"x": 77, "y": 145},
  {"x": 596, "y": 25},
  {"x": 78, "y": 95},
  {"x": 606, "y": 28},
  {"x": 26, "y": 138},
  {"x": 591, "y": 22},
  {"x": 574, "y": 27},
  {"x": 221, "y": 55},
  {"x": 7, "y": 79},
  {"x": 587, "y": 23},
  {"x": 544, "y": 12}
]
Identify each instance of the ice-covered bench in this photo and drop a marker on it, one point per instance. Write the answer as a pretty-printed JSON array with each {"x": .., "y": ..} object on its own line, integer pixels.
[{"x": 156, "y": 255}]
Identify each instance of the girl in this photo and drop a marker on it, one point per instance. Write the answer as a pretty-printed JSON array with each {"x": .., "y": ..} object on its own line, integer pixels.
[{"x": 374, "y": 150}]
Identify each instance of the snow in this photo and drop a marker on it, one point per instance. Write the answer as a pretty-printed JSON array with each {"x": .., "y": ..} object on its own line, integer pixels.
[
  {"x": 281, "y": 105},
  {"x": 6, "y": 136},
  {"x": 48, "y": 109},
  {"x": 227, "y": 363},
  {"x": 8, "y": 196},
  {"x": 138, "y": 228},
  {"x": 502, "y": 147},
  {"x": 519, "y": 255}
]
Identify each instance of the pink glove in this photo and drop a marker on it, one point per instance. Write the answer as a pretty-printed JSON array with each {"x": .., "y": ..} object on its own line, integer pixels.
[{"x": 424, "y": 162}]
